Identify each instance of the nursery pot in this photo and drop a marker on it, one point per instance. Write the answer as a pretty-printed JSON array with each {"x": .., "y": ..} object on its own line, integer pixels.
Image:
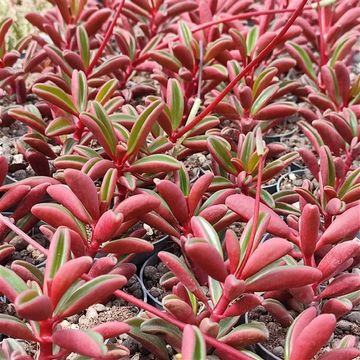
[
  {"x": 261, "y": 350},
  {"x": 152, "y": 260},
  {"x": 283, "y": 177},
  {"x": 139, "y": 259},
  {"x": 277, "y": 138}
]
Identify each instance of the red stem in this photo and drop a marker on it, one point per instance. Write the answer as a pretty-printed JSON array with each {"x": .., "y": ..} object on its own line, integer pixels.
[
  {"x": 162, "y": 315},
  {"x": 106, "y": 39},
  {"x": 277, "y": 39},
  {"x": 46, "y": 344},
  {"x": 19, "y": 232},
  {"x": 321, "y": 35}
]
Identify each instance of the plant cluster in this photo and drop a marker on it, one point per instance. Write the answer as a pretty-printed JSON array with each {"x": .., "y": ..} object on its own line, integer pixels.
[{"x": 116, "y": 98}]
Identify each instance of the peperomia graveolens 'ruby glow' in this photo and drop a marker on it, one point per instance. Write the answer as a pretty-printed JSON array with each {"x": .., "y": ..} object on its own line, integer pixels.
[{"x": 116, "y": 102}]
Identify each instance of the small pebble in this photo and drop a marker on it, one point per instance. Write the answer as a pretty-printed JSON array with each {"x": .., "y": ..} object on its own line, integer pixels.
[
  {"x": 354, "y": 316},
  {"x": 91, "y": 313},
  {"x": 155, "y": 292},
  {"x": 278, "y": 351},
  {"x": 99, "y": 307},
  {"x": 150, "y": 271},
  {"x": 344, "y": 325}
]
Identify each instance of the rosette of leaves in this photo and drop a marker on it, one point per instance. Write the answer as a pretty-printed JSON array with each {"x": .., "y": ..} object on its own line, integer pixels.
[
  {"x": 121, "y": 138},
  {"x": 17, "y": 199},
  {"x": 333, "y": 91},
  {"x": 42, "y": 301},
  {"x": 156, "y": 18},
  {"x": 331, "y": 164},
  {"x": 236, "y": 164},
  {"x": 260, "y": 100},
  {"x": 198, "y": 67}
]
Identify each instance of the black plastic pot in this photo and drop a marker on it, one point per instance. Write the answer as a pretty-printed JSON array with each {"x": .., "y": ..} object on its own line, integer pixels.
[
  {"x": 139, "y": 259},
  {"x": 281, "y": 179},
  {"x": 271, "y": 189},
  {"x": 277, "y": 138},
  {"x": 295, "y": 166},
  {"x": 151, "y": 261},
  {"x": 259, "y": 349}
]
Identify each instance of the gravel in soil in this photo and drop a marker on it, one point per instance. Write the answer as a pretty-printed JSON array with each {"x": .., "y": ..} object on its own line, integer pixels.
[
  {"x": 152, "y": 275},
  {"x": 197, "y": 163},
  {"x": 348, "y": 325},
  {"x": 24, "y": 251},
  {"x": 114, "y": 310},
  {"x": 284, "y": 127}
]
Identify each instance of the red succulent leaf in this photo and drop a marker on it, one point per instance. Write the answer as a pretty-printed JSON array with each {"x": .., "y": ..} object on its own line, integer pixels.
[
  {"x": 84, "y": 188},
  {"x": 107, "y": 226},
  {"x": 84, "y": 342},
  {"x": 344, "y": 225},
  {"x": 30, "y": 305},
  {"x": 137, "y": 205},
  {"x": 338, "y": 256},
  {"x": 67, "y": 275},
  {"x": 174, "y": 197},
  {"x": 265, "y": 254},
  {"x": 244, "y": 206},
  {"x": 200, "y": 251},
  {"x": 310, "y": 340},
  {"x": 11, "y": 326},
  {"x": 127, "y": 245}
]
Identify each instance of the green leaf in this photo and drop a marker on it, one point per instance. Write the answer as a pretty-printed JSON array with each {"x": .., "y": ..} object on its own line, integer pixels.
[
  {"x": 215, "y": 290},
  {"x": 251, "y": 39},
  {"x": 175, "y": 101},
  {"x": 59, "y": 252},
  {"x": 203, "y": 229},
  {"x": 79, "y": 85},
  {"x": 55, "y": 96},
  {"x": 304, "y": 57},
  {"x": 101, "y": 126},
  {"x": 83, "y": 45},
  {"x": 155, "y": 163},
  {"x": 108, "y": 186},
  {"x": 263, "y": 98},
  {"x": 76, "y": 299},
  {"x": 153, "y": 343},
  {"x": 10, "y": 283},
  {"x": 143, "y": 125},
  {"x": 60, "y": 126},
  {"x": 184, "y": 180},
  {"x": 351, "y": 179},
  {"x": 185, "y": 34},
  {"x": 106, "y": 91},
  {"x": 221, "y": 154}
]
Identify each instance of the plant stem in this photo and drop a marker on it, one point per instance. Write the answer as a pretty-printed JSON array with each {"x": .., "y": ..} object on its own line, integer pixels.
[
  {"x": 46, "y": 343},
  {"x": 106, "y": 39},
  {"x": 19, "y": 232},
  {"x": 273, "y": 43},
  {"x": 321, "y": 35}
]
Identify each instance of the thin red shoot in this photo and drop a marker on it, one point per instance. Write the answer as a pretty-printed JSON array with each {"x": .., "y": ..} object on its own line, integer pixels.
[{"x": 106, "y": 39}]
